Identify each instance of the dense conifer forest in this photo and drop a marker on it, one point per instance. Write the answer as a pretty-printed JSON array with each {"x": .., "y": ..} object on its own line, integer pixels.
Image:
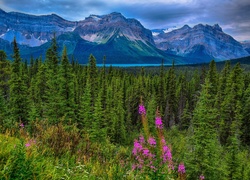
[{"x": 63, "y": 120}]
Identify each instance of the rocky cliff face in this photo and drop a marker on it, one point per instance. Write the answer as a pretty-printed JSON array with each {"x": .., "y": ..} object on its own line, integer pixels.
[
  {"x": 100, "y": 29},
  {"x": 32, "y": 30},
  {"x": 246, "y": 46},
  {"x": 122, "y": 40},
  {"x": 209, "y": 42},
  {"x": 36, "y": 30}
]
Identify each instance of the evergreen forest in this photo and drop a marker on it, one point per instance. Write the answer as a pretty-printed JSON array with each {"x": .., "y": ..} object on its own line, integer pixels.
[{"x": 63, "y": 120}]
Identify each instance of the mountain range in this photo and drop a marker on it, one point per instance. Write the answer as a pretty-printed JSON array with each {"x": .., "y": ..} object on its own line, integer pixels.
[{"x": 120, "y": 39}]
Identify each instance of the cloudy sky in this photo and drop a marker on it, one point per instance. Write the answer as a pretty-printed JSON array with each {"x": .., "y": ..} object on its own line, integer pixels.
[{"x": 232, "y": 15}]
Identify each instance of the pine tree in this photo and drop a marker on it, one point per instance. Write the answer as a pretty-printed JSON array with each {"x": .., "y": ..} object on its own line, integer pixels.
[
  {"x": 99, "y": 127},
  {"x": 93, "y": 77},
  {"x": 4, "y": 74},
  {"x": 245, "y": 128},
  {"x": 186, "y": 117},
  {"x": 170, "y": 111},
  {"x": 86, "y": 108},
  {"x": 204, "y": 151},
  {"x": 213, "y": 78},
  {"x": 161, "y": 99},
  {"x": 118, "y": 116},
  {"x": 231, "y": 107},
  {"x": 3, "y": 110},
  {"x": 18, "y": 106},
  {"x": 53, "y": 103},
  {"x": 181, "y": 97},
  {"x": 66, "y": 87},
  {"x": 38, "y": 90}
]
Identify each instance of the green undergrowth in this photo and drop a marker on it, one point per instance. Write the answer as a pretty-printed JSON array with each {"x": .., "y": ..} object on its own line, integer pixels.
[{"x": 49, "y": 153}]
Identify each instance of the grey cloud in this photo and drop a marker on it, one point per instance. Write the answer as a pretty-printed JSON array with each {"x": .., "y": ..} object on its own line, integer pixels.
[
  {"x": 232, "y": 15},
  {"x": 68, "y": 9}
]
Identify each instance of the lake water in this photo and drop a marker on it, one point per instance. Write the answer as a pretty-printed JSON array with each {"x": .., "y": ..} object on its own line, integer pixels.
[{"x": 131, "y": 65}]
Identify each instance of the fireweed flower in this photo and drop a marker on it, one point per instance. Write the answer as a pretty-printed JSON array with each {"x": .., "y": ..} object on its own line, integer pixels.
[
  {"x": 22, "y": 125},
  {"x": 141, "y": 139},
  {"x": 167, "y": 156},
  {"x": 133, "y": 167},
  {"x": 151, "y": 141},
  {"x": 181, "y": 168},
  {"x": 158, "y": 123},
  {"x": 137, "y": 147},
  {"x": 142, "y": 109},
  {"x": 202, "y": 177},
  {"x": 30, "y": 142},
  {"x": 146, "y": 152}
]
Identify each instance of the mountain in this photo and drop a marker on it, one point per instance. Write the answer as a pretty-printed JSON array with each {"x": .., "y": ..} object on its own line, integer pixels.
[
  {"x": 246, "y": 45},
  {"x": 120, "y": 39},
  {"x": 156, "y": 32},
  {"x": 207, "y": 42},
  {"x": 32, "y": 30}
]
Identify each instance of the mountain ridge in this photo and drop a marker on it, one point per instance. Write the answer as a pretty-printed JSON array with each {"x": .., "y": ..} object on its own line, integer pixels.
[
  {"x": 113, "y": 35},
  {"x": 204, "y": 40}
]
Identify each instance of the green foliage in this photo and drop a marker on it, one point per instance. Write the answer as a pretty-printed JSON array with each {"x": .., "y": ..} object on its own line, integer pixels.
[
  {"x": 19, "y": 104},
  {"x": 66, "y": 90},
  {"x": 84, "y": 118},
  {"x": 18, "y": 166},
  {"x": 204, "y": 150}
]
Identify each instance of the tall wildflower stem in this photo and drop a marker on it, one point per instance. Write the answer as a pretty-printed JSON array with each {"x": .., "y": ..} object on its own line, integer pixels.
[
  {"x": 181, "y": 172},
  {"x": 142, "y": 112},
  {"x": 166, "y": 155}
]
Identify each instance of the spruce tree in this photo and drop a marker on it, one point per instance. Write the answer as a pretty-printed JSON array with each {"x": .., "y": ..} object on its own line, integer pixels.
[
  {"x": 170, "y": 110},
  {"x": 93, "y": 77},
  {"x": 53, "y": 104},
  {"x": 86, "y": 108},
  {"x": 99, "y": 127},
  {"x": 181, "y": 92},
  {"x": 245, "y": 128},
  {"x": 231, "y": 107},
  {"x": 18, "y": 105},
  {"x": 3, "y": 110},
  {"x": 4, "y": 74},
  {"x": 213, "y": 78},
  {"x": 66, "y": 87},
  {"x": 204, "y": 154}
]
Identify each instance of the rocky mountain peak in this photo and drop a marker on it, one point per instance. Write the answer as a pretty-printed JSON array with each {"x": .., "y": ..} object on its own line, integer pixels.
[
  {"x": 217, "y": 27},
  {"x": 186, "y": 27},
  {"x": 206, "y": 41},
  {"x": 207, "y": 27},
  {"x": 100, "y": 29},
  {"x": 2, "y": 11}
]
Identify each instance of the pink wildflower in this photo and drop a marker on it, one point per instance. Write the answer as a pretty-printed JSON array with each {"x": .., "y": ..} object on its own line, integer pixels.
[
  {"x": 181, "y": 168},
  {"x": 22, "y": 125},
  {"x": 142, "y": 109},
  {"x": 145, "y": 152},
  {"x": 141, "y": 139},
  {"x": 27, "y": 145},
  {"x": 151, "y": 141},
  {"x": 202, "y": 177},
  {"x": 137, "y": 147},
  {"x": 133, "y": 167},
  {"x": 167, "y": 156},
  {"x": 163, "y": 141},
  {"x": 158, "y": 123},
  {"x": 153, "y": 168}
]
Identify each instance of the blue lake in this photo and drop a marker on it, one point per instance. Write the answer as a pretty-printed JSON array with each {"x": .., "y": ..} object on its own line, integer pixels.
[{"x": 131, "y": 65}]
